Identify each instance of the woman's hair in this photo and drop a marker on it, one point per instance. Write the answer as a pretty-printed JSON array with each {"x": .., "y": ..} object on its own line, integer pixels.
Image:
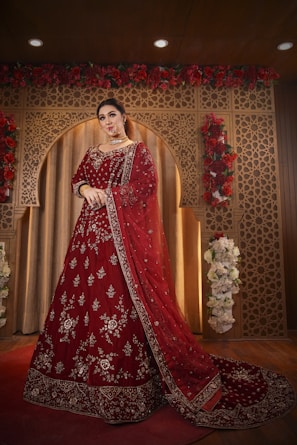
[
  {"x": 120, "y": 107},
  {"x": 114, "y": 102}
]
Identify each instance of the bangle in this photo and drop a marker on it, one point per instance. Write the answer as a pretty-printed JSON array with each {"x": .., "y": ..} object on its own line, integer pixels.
[{"x": 82, "y": 188}]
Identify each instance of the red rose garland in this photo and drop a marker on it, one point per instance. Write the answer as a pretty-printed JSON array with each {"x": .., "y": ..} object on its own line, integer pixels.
[
  {"x": 115, "y": 76},
  {"x": 218, "y": 158},
  {"x": 7, "y": 155}
]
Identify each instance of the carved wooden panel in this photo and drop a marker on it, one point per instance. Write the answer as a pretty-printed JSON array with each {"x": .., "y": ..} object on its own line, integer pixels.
[{"x": 259, "y": 228}]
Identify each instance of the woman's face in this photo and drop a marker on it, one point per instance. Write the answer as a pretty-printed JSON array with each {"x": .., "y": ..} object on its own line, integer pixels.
[{"x": 112, "y": 121}]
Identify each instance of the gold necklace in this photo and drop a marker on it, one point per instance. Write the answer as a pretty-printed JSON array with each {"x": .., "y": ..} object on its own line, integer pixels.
[{"x": 118, "y": 141}]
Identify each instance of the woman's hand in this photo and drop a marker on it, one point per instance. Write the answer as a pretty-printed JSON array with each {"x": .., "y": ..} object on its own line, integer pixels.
[{"x": 94, "y": 196}]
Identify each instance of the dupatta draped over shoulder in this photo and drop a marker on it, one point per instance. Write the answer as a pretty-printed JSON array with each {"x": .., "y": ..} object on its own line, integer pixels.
[{"x": 189, "y": 374}]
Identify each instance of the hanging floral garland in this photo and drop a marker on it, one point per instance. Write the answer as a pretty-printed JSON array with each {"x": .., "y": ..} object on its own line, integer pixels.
[
  {"x": 223, "y": 276},
  {"x": 4, "y": 277},
  {"x": 115, "y": 76},
  {"x": 8, "y": 137},
  {"x": 218, "y": 159}
]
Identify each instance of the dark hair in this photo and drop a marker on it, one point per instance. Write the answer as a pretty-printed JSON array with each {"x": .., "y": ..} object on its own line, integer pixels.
[
  {"x": 114, "y": 102},
  {"x": 120, "y": 107}
]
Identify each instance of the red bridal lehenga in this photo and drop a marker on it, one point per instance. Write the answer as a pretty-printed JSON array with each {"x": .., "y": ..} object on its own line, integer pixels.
[{"x": 114, "y": 344}]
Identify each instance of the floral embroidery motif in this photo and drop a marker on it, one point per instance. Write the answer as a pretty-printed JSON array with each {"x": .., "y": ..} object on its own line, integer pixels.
[
  {"x": 86, "y": 262},
  {"x": 101, "y": 273},
  {"x": 91, "y": 280},
  {"x": 95, "y": 305},
  {"x": 76, "y": 281},
  {"x": 114, "y": 325},
  {"x": 111, "y": 292},
  {"x": 73, "y": 263},
  {"x": 243, "y": 374},
  {"x": 52, "y": 315},
  {"x": 105, "y": 365},
  {"x": 144, "y": 367},
  {"x": 59, "y": 368},
  {"x": 86, "y": 319},
  {"x": 114, "y": 259},
  {"x": 83, "y": 248},
  {"x": 81, "y": 299},
  {"x": 67, "y": 323},
  {"x": 44, "y": 360},
  {"x": 127, "y": 349}
]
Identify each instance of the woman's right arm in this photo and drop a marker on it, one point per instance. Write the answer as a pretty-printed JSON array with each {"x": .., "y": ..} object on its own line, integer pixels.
[{"x": 83, "y": 189}]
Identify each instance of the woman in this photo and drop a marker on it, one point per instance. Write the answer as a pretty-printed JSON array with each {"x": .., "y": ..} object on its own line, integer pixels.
[{"x": 114, "y": 344}]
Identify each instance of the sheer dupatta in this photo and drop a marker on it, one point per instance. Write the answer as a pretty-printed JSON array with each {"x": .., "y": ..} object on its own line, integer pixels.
[{"x": 191, "y": 380}]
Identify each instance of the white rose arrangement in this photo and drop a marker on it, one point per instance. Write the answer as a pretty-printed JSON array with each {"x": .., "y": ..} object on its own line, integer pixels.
[
  {"x": 4, "y": 277},
  {"x": 223, "y": 276}
]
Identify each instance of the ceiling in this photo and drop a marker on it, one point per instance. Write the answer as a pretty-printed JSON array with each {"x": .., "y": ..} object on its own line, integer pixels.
[{"x": 203, "y": 32}]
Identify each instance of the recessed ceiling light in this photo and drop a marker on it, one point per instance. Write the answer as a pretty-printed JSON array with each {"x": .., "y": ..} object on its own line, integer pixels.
[
  {"x": 35, "y": 42},
  {"x": 161, "y": 43},
  {"x": 284, "y": 46}
]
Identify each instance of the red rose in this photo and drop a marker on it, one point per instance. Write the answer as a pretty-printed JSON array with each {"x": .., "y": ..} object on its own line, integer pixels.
[
  {"x": 215, "y": 202},
  {"x": 207, "y": 162},
  {"x": 2, "y": 121},
  {"x": 220, "y": 148},
  {"x": 172, "y": 81},
  {"x": 207, "y": 196},
  {"x": 226, "y": 189},
  {"x": 106, "y": 84},
  {"x": 164, "y": 74},
  {"x": 229, "y": 179},
  {"x": 11, "y": 127},
  {"x": 208, "y": 71},
  {"x": 8, "y": 174},
  {"x": 75, "y": 71},
  {"x": 220, "y": 179},
  {"x": 141, "y": 75},
  {"x": 215, "y": 131},
  {"x": 206, "y": 179},
  {"x": 218, "y": 167},
  {"x": 211, "y": 142},
  {"x": 227, "y": 158},
  {"x": 2, "y": 152},
  {"x": 196, "y": 77},
  {"x": 11, "y": 143},
  {"x": 204, "y": 128},
  {"x": 115, "y": 73},
  {"x": 9, "y": 158},
  {"x": 3, "y": 196}
]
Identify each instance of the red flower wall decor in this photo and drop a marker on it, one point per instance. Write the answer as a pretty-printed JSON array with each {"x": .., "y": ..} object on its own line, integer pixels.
[
  {"x": 218, "y": 160},
  {"x": 8, "y": 133},
  {"x": 115, "y": 76}
]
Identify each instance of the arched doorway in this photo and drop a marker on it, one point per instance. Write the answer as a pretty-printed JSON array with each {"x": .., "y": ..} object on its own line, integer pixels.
[{"x": 44, "y": 231}]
